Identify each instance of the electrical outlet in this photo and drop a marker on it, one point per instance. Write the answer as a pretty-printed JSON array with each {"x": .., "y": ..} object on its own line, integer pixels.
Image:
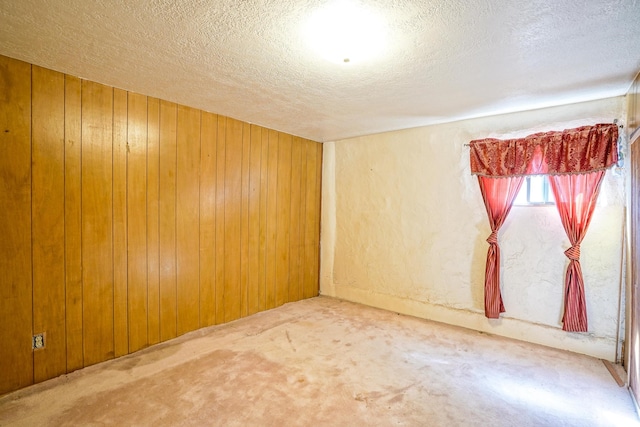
[{"x": 38, "y": 341}]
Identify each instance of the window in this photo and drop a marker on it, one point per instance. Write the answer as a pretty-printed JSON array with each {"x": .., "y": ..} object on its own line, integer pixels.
[{"x": 535, "y": 191}]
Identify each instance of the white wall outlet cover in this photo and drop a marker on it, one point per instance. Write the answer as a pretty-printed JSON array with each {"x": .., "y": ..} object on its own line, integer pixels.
[{"x": 38, "y": 341}]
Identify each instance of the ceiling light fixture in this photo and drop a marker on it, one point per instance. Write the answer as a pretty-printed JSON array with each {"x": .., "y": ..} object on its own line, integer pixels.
[{"x": 345, "y": 31}]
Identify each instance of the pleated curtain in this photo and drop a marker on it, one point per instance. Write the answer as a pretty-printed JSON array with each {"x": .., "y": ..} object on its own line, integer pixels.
[
  {"x": 576, "y": 197},
  {"x": 498, "y": 195},
  {"x": 575, "y": 160}
]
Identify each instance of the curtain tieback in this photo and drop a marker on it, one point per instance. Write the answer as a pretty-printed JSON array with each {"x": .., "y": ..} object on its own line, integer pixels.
[
  {"x": 573, "y": 253},
  {"x": 493, "y": 238}
]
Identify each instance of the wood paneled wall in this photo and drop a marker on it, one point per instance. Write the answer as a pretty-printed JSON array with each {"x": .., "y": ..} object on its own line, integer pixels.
[
  {"x": 633, "y": 212},
  {"x": 633, "y": 110},
  {"x": 128, "y": 220}
]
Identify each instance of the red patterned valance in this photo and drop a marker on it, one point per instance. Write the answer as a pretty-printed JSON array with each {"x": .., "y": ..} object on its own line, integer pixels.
[{"x": 572, "y": 151}]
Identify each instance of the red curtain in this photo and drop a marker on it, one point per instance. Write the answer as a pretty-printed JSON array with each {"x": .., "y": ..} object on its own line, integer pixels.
[
  {"x": 580, "y": 150},
  {"x": 576, "y": 159},
  {"x": 498, "y": 195},
  {"x": 576, "y": 197}
]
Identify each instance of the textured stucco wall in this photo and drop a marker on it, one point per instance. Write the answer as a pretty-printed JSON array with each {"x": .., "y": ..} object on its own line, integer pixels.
[{"x": 404, "y": 228}]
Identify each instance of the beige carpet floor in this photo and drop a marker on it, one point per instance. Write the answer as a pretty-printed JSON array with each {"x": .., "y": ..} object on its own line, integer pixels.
[{"x": 326, "y": 362}]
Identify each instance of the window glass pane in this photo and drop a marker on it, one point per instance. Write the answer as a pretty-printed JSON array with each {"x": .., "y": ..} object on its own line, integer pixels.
[
  {"x": 550, "y": 197},
  {"x": 521, "y": 198},
  {"x": 536, "y": 189}
]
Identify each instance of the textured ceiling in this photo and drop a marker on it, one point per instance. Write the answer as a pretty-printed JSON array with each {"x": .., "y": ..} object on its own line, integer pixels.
[{"x": 445, "y": 60}]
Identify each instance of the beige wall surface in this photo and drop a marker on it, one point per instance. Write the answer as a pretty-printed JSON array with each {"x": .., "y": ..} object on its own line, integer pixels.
[{"x": 404, "y": 228}]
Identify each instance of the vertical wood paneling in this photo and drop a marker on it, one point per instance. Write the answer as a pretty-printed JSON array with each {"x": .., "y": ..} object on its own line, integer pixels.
[
  {"x": 187, "y": 223},
  {"x": 634, "y": 259},
  {"x": 633, "y": 109},
  {"x": 244, "y": 221},
  {"x": 167, "y": 220},
  {"x": 47, "y": 157},
  {"x": 128, "y": 220},
  {"x": 272, "y": 220},
  {"x": 97, "y": 255},
  {"x": 294, "y": 237},
  {"x": 120, "y": 292},
  {"x": 302, "y": 238},
  {"x": 137, "y": 220},
  {"x": 283, "y": 221},
  {"x": 314, "y": 283},
  {"x": 264, "y": 191},
  {"x": 15, "y": 225},
  {"x": 311, "y": 220},
  {"x": 73, "y": 222},
  {"x": 153, "y": 188},
  {"x": 632, "y": 359},
  {"x": 232, "y": 219},
  {"x": 253, "y": 261},
  {"x": 208, "y": 219},
  {"x": 220, "y": 226}
]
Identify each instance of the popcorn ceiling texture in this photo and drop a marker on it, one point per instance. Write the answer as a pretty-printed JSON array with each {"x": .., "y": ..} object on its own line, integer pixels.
[{"x": 248, "y": 59}]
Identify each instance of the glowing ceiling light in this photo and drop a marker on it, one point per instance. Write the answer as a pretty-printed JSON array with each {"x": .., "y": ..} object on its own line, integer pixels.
[{"x": 345, "y": 31}]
